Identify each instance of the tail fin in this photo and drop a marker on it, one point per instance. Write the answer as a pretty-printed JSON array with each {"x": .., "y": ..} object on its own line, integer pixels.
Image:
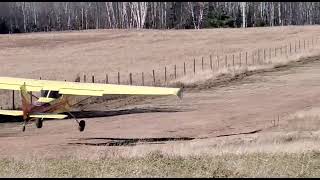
[{"x": 26, "y": 101}]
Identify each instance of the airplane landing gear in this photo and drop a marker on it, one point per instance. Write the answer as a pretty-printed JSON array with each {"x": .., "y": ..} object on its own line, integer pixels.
[
  {"x": 82, "y": 125},
  {"x": 39, "y": 123}
]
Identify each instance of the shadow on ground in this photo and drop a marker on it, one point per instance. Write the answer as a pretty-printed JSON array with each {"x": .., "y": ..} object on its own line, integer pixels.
[
  {"x": 94, "y": 114},
  {"x": 126, "y": 141}
]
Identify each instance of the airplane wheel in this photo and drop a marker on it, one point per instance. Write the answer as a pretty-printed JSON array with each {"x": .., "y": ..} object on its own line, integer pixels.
[
  {"x": 39, "y": 123},
  {"x": 82, "y": 125}
]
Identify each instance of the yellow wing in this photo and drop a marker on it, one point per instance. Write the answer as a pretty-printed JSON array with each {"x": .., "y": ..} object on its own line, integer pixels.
[
  {"x": 87, "y": 89},
  {"x": 11, "y": 112}
]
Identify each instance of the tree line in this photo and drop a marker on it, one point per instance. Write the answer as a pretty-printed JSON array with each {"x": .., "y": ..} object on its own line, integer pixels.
[{"x": 16, "y": 17}]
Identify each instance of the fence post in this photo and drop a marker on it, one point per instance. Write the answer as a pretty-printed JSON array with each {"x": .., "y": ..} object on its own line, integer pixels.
[
  {"x": 290, "y": 48},
  {"x": 84, "y": 78},
  {"x": 269, "y": 53},
  {"x": 259, "y": 56},
  {"x": 275, "y": 52},
  {"x": 202, "y": 63},
  {"x": 194, "y": 66},
  {"x": 142, "y": 76},
  {"x": 218, "y": 60},
  {"x": 299, "y": 45},
  {"x": 304, "y": 44},
  {"x": 184, "y": 68},
  {"x": 240, "y": 58},
  {"x": 295, "y": 46},
  {"x": 13, "y": 107},
  {"x": 226, "y": 61},
  {"x": 264, "y": 55},
  {"x": 118, "y": 77},
  {"x": 175, "y": 71},
  {"x": 154, "y": 78},
  {"x": 246, "y": 58},
  {"x": 252, "y": 57},
  {"x": 107, "y": 79},
  {"x": 130, "y": 78},
  {"x": 92, "y": 78},
  {"x": 165, "y": 74},
  {"x": 233, "y": 60},
  {"x": 211, "y": 62}
]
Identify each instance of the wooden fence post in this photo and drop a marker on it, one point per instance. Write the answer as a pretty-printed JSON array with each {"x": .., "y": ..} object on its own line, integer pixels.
[
  {"x": 202, "y": 63},
  {"x": 264, "y": 55},
  {"x": 259, "y": 56},
  {"x": 252, "y": 57},
  {"x": 184, "y": 68},
  {"x": 13, "y": 107},
  {"x": 165, "y": 74},
  {"x": 295, "y": 47},
  {"x": 233, "y": 60},
  {"x": 84, "y": 78},
  {"x": 211, "y": 63},
  {"x": 154, "y": 78},
  {"x": 107, "y": 79},
  {"x": 246, "y": 58},
  {"x": 304, "y": 44},
  {"x": 269, "y": 53},
  {"x": 175, "y": 71},
  {"x": 299, "y": 44},
  {"x": 240, "y": 59},
  {"x": 118, "y": 77},
  {"x": 218, "y": 60},
  {"x": 194, "y": 66},
  {"x": 130, "y": 78},
  {"x": 275, "y": 52},
  {"x": 92, "y": 78},
  {"x": 142, "y": 76},
  {"x": 226, "y": 61},
  {"x": 290, "y": 48}
]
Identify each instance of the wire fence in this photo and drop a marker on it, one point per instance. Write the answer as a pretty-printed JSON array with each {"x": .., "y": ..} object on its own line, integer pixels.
[{"x": 212, "y": 62}]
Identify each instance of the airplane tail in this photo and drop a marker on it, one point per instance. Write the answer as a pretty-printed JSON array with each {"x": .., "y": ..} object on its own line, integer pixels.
[{"x": 26, "y": 101}]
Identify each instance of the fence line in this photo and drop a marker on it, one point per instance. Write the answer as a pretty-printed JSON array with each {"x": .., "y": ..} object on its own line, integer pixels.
[{"x": 258, "y": 57}]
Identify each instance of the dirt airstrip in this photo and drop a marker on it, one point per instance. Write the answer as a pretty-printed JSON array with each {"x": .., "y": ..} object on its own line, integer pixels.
[
  {"x": 232, "y": 115},
  {"x": 236, "y": 117}
]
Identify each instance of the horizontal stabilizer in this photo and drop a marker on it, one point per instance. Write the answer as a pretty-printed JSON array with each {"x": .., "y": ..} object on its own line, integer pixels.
[
  {"x": 11, "y": 112},
  {"x": 48, "y": 116}
]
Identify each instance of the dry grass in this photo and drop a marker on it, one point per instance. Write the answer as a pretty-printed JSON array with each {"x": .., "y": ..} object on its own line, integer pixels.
[
  {"x": 158, "y": 165},
  {"x": 193, "y": 80}
]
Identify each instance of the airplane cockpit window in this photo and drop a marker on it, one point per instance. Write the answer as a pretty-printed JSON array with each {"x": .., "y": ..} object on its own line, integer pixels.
[{"x": 53, "y": 94}]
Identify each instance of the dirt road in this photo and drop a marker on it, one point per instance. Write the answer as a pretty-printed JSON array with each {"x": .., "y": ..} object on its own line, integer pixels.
[{"x": 241, "y": 106}]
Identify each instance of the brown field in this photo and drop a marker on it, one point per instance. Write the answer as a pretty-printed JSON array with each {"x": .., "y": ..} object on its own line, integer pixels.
[{"x": 229, "y": 114}]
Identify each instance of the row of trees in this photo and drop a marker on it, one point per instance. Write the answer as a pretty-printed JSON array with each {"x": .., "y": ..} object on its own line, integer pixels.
[{"x": 49, "y": 16}]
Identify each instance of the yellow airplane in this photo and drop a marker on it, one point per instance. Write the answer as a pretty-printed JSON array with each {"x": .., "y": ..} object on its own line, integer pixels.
[{"x": 55, "y": 97}]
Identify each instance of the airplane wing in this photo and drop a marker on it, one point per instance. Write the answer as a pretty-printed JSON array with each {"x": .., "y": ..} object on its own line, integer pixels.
[
  {"x": 86, "y": 89},
  {"x": 44, "y": 115}
]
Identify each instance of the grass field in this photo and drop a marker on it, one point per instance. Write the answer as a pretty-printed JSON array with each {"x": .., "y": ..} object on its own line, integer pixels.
[
  {"x": 288, "y": 148},
  {"x": 158, "y": 165}
]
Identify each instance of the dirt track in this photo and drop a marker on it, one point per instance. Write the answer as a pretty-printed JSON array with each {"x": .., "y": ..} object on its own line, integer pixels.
[{"x": 242, "y": 106}]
